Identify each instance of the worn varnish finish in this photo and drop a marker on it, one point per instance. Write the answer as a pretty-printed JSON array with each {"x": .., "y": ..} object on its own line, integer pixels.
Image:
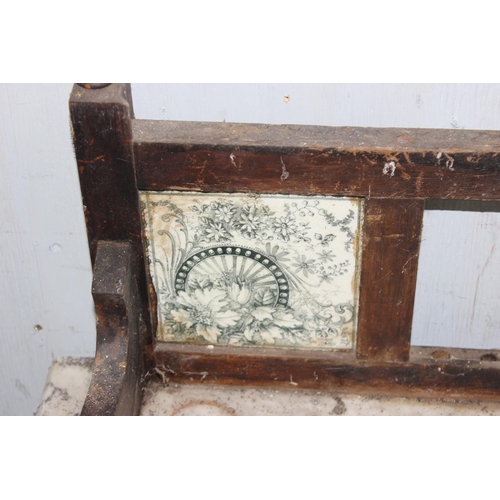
[
  {"x": 394, "y": 170},
  {"x": 391, "y": 242},
  {"x": 101, "y": 122},
  {"x": 115, "y": 388},
  {"x": 383, "y": 163},
  {"x": 102, "y": 134},
  {"x": 423, "y": 376}
]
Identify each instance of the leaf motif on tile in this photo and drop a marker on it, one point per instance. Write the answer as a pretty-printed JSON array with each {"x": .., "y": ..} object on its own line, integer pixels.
[{"x": 253, "y": 270}]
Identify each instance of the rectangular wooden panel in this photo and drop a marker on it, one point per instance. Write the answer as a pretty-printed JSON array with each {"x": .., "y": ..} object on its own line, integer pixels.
[
  {"x": 391, "y": 242},
  {"x": 307, "y": 160}
]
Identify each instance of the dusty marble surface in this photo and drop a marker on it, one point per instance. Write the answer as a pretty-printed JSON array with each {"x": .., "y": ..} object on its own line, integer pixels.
[
  {"x": 69, "y": 379},
  {"x": 67, "y": 384},
  {"x": 250, "y": 270}
]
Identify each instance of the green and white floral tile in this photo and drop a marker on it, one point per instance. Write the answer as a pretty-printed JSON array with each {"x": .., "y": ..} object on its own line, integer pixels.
[{"x": 247, "y": 270}]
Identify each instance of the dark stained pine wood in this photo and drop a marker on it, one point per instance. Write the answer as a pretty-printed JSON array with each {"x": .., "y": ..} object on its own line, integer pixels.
[
  {"x": 116, "y": 387},
  {"x": 367, "y": 162},
  {"x": 464, "y": 375},
  {"x": 102, "y": 135},
  {"x": 391, "y": 242}
]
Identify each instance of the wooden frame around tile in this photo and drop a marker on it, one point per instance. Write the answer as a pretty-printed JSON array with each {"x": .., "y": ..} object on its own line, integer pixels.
[{"x": 394, "y": 170}]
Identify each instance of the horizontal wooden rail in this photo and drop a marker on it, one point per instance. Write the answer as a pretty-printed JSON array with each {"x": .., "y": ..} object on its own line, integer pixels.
[
  {"x": 454, "y": 373},
  {"x": 366, "y": 162}
]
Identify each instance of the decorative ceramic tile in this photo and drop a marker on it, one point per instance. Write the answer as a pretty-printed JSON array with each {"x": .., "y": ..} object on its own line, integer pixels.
[{"x": 251, "y": 270}]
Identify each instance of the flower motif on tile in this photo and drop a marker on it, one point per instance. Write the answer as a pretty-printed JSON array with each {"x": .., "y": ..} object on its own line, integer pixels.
[
  {"x": 250, "y": 270},
  {"x": 269, "y": 324},
  {"x": 241, "y": 291},
  {"x": 224, "y": 213},
  {"x": 204, "y": 310},
  {"x": 284, "y": 227},
  {"x": 325, "y": 256},
  {"x": 342, "y": 224},
  {"x": 304, "y": 266},
  {"x": 250, "y": 222},
  {"x": 277, "y": 254},
  {"x": 215, "y": 231}
]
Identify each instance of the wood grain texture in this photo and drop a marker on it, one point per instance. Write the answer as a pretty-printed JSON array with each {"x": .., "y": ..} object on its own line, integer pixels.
[
  {"x": 285, "y": 137},
  {"x": 101, "y": 130},
  {"x": 115, "y": 388},
  {"x": 101, "y": 120},
  {"x": 391, "y": 241},
  {"x": 396, "y": 163},
  {"x": 462, "y": 375}
]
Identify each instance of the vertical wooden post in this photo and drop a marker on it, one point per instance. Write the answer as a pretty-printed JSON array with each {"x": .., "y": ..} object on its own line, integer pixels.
[
  {"x": 102, "y": 134},
  {"x": 391, "y": 243}
]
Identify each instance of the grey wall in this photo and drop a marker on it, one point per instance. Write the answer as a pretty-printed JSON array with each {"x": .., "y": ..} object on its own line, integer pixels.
[
  {"x": 45, "y": 271},
  {"x": 45, "y": 268}
]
